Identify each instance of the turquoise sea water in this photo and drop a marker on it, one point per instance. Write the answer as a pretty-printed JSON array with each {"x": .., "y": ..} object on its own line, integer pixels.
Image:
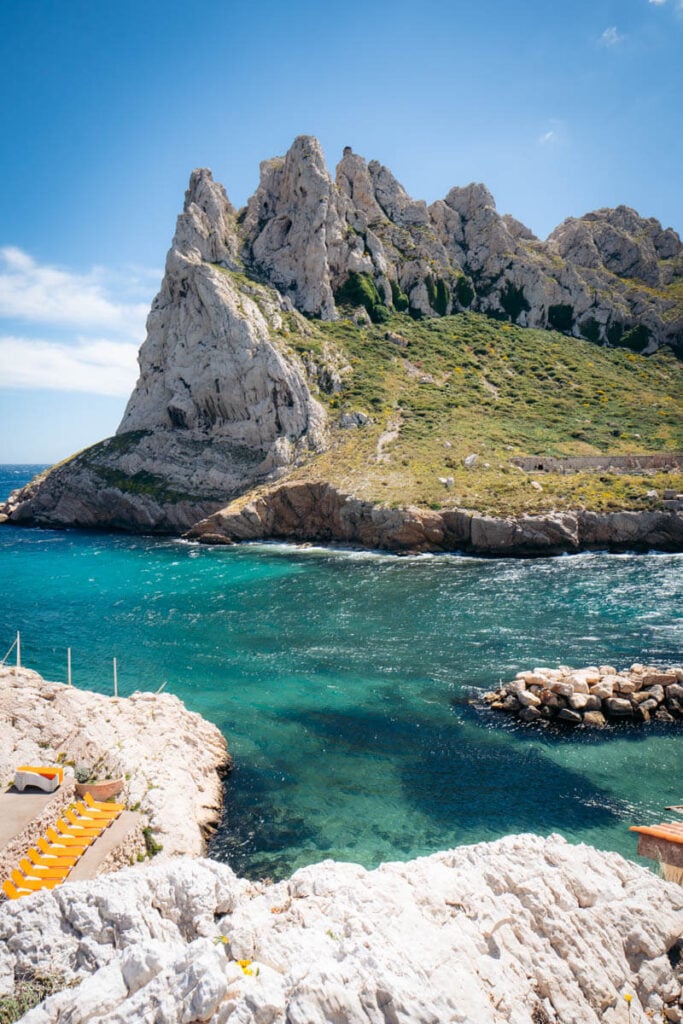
[{"x": 342, "y": 682}]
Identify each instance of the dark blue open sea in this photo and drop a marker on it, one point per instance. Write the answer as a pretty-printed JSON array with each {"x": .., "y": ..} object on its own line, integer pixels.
[{"x": 342, "y": 682}]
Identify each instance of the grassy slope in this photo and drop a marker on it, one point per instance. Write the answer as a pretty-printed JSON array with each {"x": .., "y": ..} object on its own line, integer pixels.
[{"x": 469, "y": 384}]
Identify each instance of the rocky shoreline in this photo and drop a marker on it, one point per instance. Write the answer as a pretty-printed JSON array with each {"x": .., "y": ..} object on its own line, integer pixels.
[
  {"x": 169, "y": 758},
  {"x": 524, "y": 930},
  {"x": 321, "y": 513},
  {"x": 317, "y": 512},
  {"x": 593, "y": 696}
]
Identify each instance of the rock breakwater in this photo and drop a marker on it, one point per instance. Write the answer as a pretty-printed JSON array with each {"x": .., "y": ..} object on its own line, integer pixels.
[{"x": 593, "y": 696}]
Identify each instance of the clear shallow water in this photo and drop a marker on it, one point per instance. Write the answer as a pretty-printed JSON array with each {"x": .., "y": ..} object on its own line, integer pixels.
[{"x": 341, "y": 681}]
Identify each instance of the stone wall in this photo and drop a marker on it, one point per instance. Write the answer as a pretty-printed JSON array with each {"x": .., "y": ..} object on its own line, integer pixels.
[{"x": 594, "y": 463}]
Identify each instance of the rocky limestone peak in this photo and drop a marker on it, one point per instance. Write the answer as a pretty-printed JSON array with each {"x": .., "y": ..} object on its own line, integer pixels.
[
  {"x": 517, "y": 229},
  {"x": 223, "y": 403},
  {"x": 620, "y": 241},
  {"x": 468, "y": 200},
  {"x": 310, "y": 237},
  {"x": 209, "y": 364},
  {"x": 481, "y": 238},
  {"x": 220, "y": 405},
  {"x": 207, "y": 223},
  {"x": 390, "y": 238},
  {"x": 394, "y": 200},
  {"x": 354, "y": 181},
  {"x": 293, "y": 229}
]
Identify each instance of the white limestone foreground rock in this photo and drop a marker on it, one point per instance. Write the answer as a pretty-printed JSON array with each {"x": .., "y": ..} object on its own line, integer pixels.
[{"x": 522, "y": 930}]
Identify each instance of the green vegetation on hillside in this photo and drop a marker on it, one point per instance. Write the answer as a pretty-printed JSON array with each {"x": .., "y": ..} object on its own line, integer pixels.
[{"x": 438, "y": 390}]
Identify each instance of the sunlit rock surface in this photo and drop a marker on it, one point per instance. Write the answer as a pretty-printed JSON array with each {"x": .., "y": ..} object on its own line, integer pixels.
[{"x": 520, "y": 931}]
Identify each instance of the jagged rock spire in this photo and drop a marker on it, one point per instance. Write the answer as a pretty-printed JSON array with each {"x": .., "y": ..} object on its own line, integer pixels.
[
  {"x": 292, "y": 227},
  {"x": 207, "y": 223}
]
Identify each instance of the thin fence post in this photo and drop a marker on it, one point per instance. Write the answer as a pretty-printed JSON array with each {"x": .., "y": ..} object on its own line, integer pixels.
[
  {"x": 12, "y": 646},
  {"x": 18, "y": 649},
  {"x": 116, "y": 681},
  {"x": 68, "y": 666}
]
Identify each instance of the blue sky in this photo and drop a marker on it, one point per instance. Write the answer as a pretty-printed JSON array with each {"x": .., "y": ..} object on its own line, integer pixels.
[{"x": 106, "y": 108}]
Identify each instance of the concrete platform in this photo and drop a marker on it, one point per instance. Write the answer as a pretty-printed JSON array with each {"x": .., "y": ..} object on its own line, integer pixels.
[
  {"x": 95, "y": 855},
  {"x": 17, "y": 810}
]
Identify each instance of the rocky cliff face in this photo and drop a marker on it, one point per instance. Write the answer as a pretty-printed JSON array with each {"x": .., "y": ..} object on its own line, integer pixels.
[
  {"x": 521, "y": 931},
  {"x": 611, "y": 276},
  {"x": 318, "y": 512},
  {"x": 221, "y": 404}
]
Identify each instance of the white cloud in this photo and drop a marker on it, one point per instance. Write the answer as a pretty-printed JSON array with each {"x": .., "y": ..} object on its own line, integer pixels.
[
  {"x": 95, "y": 365},
  {"x": 677, "y": 5},
  {"x": 50, "y": 295},
  {"x": 88, "y": 326},
  {"x": 611, "y": 36},
  {"x": 554, "y": 135}
]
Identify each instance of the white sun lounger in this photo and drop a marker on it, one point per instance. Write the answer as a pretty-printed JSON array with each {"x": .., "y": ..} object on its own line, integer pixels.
[{"x": 47, "y": 779}]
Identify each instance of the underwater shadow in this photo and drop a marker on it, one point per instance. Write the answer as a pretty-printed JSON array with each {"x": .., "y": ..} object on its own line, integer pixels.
[
  {"x": 255, "y": 829},
  {"x": 480, "y": 782}
]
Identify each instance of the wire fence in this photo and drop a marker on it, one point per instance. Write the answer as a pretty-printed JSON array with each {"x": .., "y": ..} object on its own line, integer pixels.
[{"x": 16, "y": 644}]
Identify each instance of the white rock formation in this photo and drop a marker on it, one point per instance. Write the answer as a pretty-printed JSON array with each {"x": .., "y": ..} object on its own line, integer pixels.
[
  {"x": 221, "y": 403},
  {"x": 620, "y": 241},
  {"x": 521, "y": 931},
  {"x": 168, "y": 756},
  {"x": 600, "y": 276},
  {"x": 293, "y": 229}
]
